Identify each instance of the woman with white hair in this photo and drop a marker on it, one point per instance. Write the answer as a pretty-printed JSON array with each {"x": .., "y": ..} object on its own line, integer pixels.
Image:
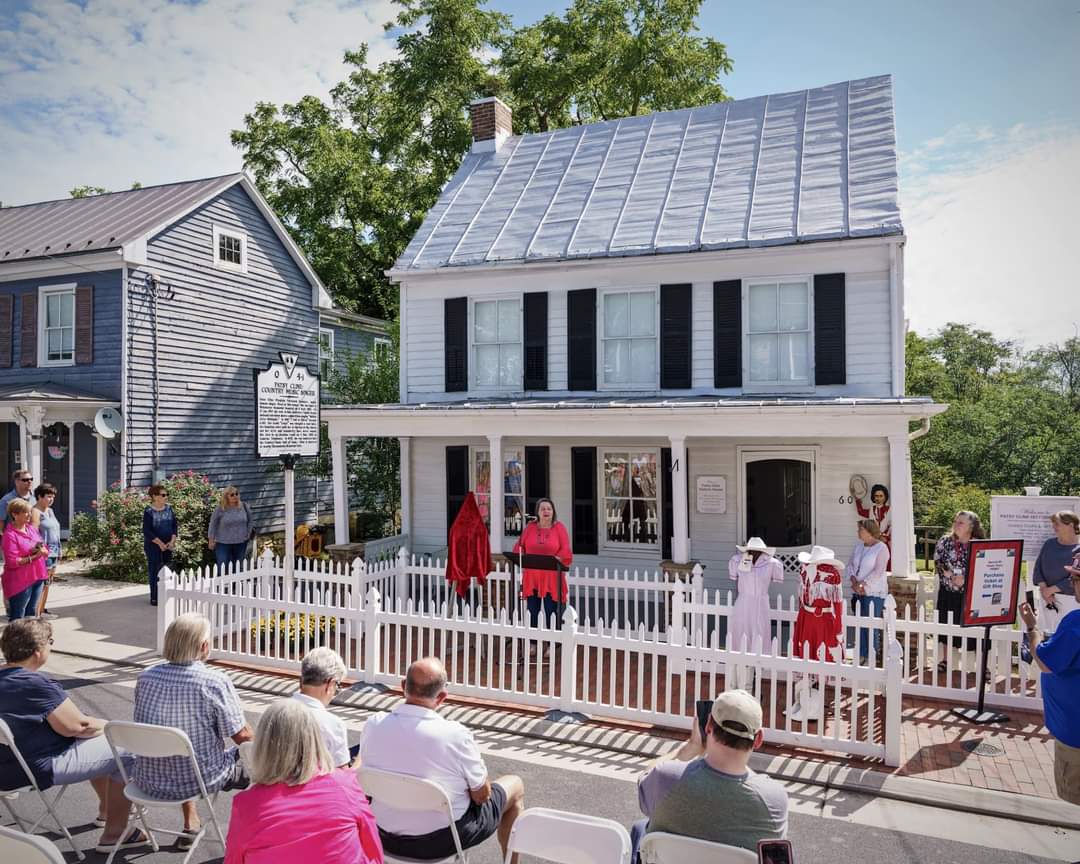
[{"x": 300, "y": 807}]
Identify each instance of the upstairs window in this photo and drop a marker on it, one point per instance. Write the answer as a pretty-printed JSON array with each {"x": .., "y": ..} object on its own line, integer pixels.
[
  {"x": 57, "y": 336},
  {"x": 230, "y": 249},
  {"x": 778, "y": 327},
  {"x": 628, "y": 339},
  {"x": 631, "y": 511},
  {"x": 496, "y": 337},
  {"x": 326, "y": 352}
]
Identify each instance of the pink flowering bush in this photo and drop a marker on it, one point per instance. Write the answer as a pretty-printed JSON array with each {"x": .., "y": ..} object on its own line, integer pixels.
[{"x": 111, "y": 535}]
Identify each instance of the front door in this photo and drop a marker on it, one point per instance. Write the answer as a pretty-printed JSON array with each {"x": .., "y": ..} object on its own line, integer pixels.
[{"x": 56, "y": 468}]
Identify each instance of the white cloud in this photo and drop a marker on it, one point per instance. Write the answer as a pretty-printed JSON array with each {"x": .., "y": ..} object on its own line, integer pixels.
[
  {"x": 992, "y": 229},
  {"x": 149, "y": 90}
]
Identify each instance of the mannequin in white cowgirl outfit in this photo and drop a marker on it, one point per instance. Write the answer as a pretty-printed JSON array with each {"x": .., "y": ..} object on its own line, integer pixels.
[{"x": 754, "y": 568}]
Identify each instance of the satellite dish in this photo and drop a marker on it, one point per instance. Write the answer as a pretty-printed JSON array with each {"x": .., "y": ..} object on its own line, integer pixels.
[{"x": 107, "y": 422}]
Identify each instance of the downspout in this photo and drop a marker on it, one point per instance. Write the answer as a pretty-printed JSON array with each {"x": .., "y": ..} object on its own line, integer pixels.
[
  {"x": 924, "y": 427},
  {"x": 156, "y": 383}
]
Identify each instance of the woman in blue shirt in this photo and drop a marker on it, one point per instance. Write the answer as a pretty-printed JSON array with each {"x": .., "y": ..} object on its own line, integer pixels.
[
  {"x": 159, "y": 535},
  {"x": 49, "y": 529}
]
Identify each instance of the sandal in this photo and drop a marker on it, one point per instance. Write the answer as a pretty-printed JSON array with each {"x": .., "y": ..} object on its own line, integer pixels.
[
  {"x": 135, "y": 838},
  {"x": 186, "y": 840}
]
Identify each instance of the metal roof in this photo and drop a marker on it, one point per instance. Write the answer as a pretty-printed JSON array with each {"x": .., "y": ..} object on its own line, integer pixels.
[
  {"x": 644, "y": 403},
  {"x": 48, "y": 392},
  {"x": 99, "y": 222},
  {"x": 811, "y": 165}
]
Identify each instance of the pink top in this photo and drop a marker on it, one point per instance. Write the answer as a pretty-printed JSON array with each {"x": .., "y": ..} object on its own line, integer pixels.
[
  {"x": 554, "y": 541},
  {"x": 326, "y": 819},
  {"x": 17, "y": 544}
]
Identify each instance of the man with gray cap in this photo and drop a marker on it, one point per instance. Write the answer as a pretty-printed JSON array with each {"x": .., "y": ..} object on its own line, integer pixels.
[{"x": 706, "y": 789}]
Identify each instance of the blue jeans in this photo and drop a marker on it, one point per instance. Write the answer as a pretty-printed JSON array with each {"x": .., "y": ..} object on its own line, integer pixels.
[
  {"x": 25, "y": 603},
  {"x": 229, "y": 554},
  {"x": 870, "y": 606},
  {"x": 155, "y": 560},
  {"x": 637, "y": 834}
]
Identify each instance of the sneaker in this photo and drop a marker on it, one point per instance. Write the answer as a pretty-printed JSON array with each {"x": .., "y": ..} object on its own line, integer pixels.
[{"x": 46, "y": 615}]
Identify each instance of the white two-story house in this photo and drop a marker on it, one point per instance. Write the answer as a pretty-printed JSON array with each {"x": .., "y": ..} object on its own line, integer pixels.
[{"x": 685, "y": 328}]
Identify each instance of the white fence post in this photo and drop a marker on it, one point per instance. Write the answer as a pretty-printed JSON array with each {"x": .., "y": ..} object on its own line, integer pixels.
[
  {"x": 568, "y": 637},
  {"x": 401, "y": 580},
  {"x": 894, "y": 673},
  {"x": 166, "y": 608},
  {"x": 372, "y": 635},
  {"x": 677, "y": 634},
  {"x": 697, "y": 597}
]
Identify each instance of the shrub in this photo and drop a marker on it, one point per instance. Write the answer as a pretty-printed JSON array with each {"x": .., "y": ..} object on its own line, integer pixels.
[
  {"x": 291, "y": 626},
  {"x": 112, "y": 536}
]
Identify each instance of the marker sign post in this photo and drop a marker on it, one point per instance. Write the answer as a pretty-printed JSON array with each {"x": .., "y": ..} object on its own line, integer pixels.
[
  {"x": 990, "y": 597},
  {"x": 287, "y": 418}
]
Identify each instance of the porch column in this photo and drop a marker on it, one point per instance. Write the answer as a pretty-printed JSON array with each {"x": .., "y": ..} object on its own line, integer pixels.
[
  {"x": 339, "y": 472},
  {"x": 71, "y": 472},
  {"x": 33, "y": 419},
  {"x": 102, "y": 475},
  {"x": 495, "y": 507},
  {"x": 405, "y": 445},
  {"x": 680, "y": 536},
  {"x": 903, "y": 518}
]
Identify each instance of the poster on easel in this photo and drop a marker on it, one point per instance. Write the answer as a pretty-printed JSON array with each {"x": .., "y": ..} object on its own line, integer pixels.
[{"x": 993, "y": 582}]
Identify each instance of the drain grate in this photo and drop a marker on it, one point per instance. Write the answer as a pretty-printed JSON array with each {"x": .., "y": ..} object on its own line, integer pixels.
[{"x": 984, "y": 747}]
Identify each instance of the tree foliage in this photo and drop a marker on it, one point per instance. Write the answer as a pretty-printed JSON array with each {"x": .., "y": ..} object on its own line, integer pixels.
[
  {"x": 1013, "y": 418},
  {"x": 89, "y": 191},
  {"x": 353, "y": 177}
]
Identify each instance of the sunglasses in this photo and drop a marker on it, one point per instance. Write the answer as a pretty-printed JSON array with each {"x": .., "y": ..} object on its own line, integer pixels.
[{"x": 25, "y": 480}]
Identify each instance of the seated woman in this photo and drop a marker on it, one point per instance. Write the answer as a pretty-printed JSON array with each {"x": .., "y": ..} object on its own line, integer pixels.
[
  {"x": 300, "y": 807},
  {"x": 187, "y": 694},
  {"x": 60, "y": 744}
]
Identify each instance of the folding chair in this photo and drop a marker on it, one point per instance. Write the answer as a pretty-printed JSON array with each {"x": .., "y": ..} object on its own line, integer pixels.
[
  {"x": 416, "y": 795},
  {"x": 662, "y": 848},
  {"x": 145, "y": 740},
  {"x": 8, "y": 740},
  {"x": 568, "y": 838},
  {"x": 18, "y": 848}
]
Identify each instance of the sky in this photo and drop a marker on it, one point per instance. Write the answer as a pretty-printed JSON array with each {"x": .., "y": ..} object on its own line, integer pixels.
[{"x": 107, "y": 92}]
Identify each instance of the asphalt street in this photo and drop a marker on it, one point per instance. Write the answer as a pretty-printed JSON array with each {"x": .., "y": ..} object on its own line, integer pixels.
[{"x": 825, "y": 825}]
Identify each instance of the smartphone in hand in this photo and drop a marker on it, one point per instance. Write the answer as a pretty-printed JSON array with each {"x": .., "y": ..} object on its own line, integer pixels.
[
  {"x": 775, "y": 852},
  {"x": 703, "y": 709}
]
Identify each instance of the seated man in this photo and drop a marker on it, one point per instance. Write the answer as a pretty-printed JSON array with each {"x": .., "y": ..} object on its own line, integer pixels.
[
  {"x": 709, "y": 791},
  {"x": 321, "y": 672},
  {"x": 187, "y": 694},
  {"x": 414, "y": 740}
]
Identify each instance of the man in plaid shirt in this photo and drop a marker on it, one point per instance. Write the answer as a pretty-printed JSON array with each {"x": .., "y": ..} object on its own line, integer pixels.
[{"x": 187, "y": 694}]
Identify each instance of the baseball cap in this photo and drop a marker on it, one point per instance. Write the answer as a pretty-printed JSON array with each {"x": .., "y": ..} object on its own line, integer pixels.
[{"x": 738, "y": 713}]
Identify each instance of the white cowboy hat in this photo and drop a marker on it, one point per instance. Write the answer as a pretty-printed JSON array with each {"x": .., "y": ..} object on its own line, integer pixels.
[
  {"x": 756, "y": 544},
  {"x": 820, "y": 555}
]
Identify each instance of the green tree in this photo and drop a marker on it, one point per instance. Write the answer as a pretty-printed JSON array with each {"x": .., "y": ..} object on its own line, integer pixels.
[{"x": 90, "y": 191}]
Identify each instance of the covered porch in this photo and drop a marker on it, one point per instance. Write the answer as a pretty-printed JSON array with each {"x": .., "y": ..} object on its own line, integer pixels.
[{"x": 701, "y": 457}]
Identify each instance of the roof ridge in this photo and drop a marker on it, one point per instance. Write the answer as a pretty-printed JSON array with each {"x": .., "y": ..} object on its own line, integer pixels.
[{"x": 101, "y": 195}]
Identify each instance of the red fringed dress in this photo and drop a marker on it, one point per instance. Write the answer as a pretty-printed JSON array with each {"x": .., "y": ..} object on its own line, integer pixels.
[{"x": 819, "y": 621}]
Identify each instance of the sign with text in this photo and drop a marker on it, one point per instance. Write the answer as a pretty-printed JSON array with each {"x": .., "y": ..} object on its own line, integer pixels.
[
  {"x": 711, "y": 495},
  {"x": 993, "y": 582},
  {"x": 1027, "y": 517},
  {"x": 286, "y": 410}
]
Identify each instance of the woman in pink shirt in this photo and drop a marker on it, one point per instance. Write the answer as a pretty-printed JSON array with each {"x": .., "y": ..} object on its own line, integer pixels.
[
  {"x": 24, "y": 562},
  {"x": 299, "y": 807}
]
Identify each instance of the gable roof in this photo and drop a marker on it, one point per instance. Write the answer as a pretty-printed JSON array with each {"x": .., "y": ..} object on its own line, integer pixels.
[
  {"x": 127, "y": 220},
  {"x": 788, "y": 168}
]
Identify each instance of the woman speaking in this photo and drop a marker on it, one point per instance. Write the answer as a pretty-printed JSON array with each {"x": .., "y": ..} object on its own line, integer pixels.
[{"x": 546, "y": 536}]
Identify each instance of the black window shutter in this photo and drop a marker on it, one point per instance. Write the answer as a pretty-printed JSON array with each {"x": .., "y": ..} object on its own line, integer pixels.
[
  {"x": 457, "y": 481},
  {"x": 28, "y": 330},
  {"x": 7, "y": 334},
  {"x": 830, "y": 344},
  {"x": 727, "y": 333},
  {"x": 456, "y": 343},
  {"x": 536, "y": 477},
  {"x": 675, "y": 335},
  {"x": 666, "y": 506},
  {"x": 84, "y": 324},
  {"x": 536, "y": 340},
  {"x": 581, "y": 339},
  {"x": 583, "y": 491}
]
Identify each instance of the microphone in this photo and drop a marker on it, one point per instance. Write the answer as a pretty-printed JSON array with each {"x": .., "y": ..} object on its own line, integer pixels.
[{"x": 532, "y": 518}]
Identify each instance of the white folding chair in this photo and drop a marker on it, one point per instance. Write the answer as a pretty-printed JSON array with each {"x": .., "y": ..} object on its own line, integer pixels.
[
  {"x": 8, "y": 740},
  {"x": 145, "y": 740},
  {"x": 568, "y": 838},
  {"x": 19, "y": 848},
  {"x": 416, "y": 795},
  {"x": 662, "y": 848}
]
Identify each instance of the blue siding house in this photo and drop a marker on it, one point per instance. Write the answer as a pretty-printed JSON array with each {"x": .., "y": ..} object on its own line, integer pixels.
[{"x": 158, "y": 303}]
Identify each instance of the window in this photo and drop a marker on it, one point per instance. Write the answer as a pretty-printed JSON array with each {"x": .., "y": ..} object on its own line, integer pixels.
[
  {"x": 380, "y": 348},
  {"x": 56, "y": 336},
  {"x": 230, "y": 249},
  {"x": 778, "y": 333},
  {"x": 326, "y": 351},
  {"x": 779, "y": 489},
  {"x": 496, "y": 329},
  {"x": 628, "y": 339},
  {"x": 631, "y": 512},
  {"x": 513, "y": 488}
]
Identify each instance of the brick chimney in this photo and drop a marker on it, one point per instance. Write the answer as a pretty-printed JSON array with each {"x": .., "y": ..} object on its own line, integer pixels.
[{"x": 492, "y": 124}]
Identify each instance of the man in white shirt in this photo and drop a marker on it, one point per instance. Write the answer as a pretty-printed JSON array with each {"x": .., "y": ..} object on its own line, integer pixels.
[
  {"x": 320, "y": 679},
  {"x": 414, "y": 739}
]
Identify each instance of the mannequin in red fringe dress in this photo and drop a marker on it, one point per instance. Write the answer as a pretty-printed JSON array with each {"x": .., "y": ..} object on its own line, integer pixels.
[
  {"x": 546, "y": 536},
  {"x": 878, "y": 508},
  {"x": 819, "y": 623}
]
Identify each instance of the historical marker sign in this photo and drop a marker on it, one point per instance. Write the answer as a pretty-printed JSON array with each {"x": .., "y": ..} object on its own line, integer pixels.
[{"x": 286, "y": 410}]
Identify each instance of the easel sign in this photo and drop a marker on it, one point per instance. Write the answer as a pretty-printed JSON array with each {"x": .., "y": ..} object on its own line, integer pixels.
[{"x": 990, "y": 597}]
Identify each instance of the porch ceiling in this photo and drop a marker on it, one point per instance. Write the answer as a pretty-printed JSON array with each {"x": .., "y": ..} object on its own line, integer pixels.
[
  {"x": 58, "y": 401},
  {"x": 664, "y": 418}
]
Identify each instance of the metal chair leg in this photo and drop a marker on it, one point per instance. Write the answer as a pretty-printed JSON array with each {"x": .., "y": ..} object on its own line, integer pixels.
[
  {"x": 59, "y": 824},
  {"x": 14, "y": 815}
]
